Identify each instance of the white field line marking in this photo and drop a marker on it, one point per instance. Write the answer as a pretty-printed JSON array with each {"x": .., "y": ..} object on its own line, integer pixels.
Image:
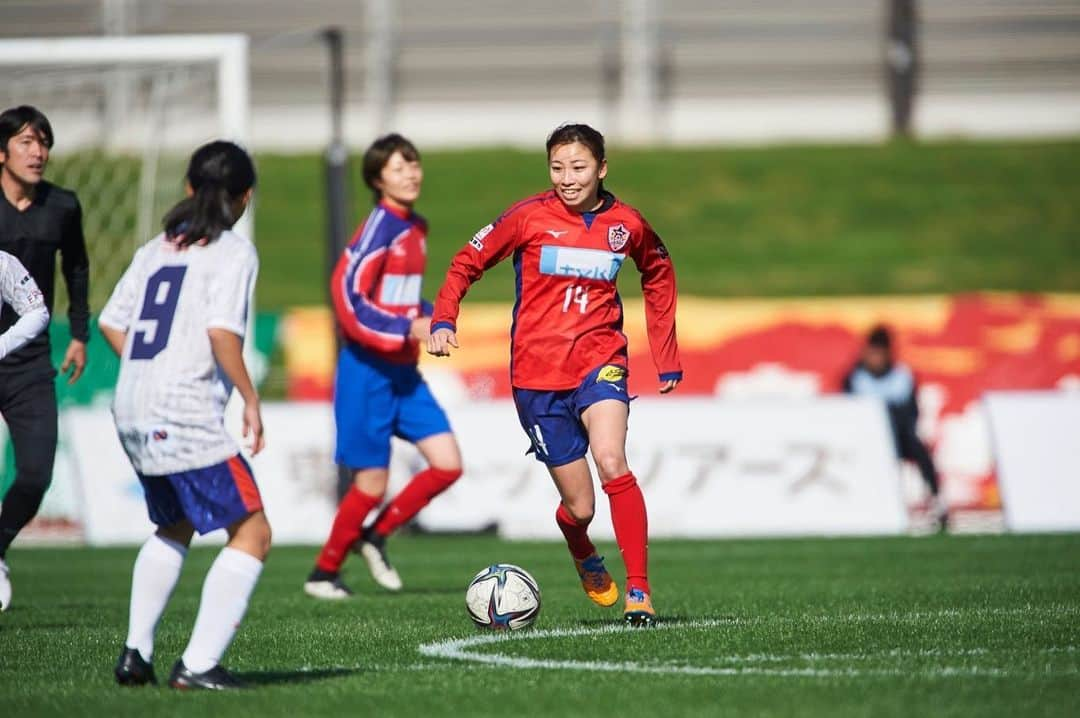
[{"x": 460, "y": 649}]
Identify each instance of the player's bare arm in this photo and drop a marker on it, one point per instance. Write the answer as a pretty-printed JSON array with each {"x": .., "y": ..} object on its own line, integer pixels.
[
  {"x": 114, "y": 337},
  {"x": 228, "y": 351},
  {"x": 420, "y": 329}
]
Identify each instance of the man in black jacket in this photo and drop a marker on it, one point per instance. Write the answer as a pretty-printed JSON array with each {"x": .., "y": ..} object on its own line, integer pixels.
[
  {"x": 37, "y": 220},
  {"x": 878, "y": 374}
]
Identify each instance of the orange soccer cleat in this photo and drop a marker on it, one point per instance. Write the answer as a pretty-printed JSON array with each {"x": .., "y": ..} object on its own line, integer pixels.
[
  {"x": 596, "y": 581},
  {"x": 639, "y": 610}
]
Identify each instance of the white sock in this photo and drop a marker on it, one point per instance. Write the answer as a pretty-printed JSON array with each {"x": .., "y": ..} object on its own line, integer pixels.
[
  {"x": 157, "y": 568},
  {"x": 228, "y": 586}
]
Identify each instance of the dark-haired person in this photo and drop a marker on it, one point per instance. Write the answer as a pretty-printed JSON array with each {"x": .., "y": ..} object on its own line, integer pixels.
[
  {"x": 880, "y": 375},
  {"x": 569, "y": 355},
  {"x": 37, "y": 220},
  {"x": 177, "y": 319},
  {"x": 378, "y": 390}
]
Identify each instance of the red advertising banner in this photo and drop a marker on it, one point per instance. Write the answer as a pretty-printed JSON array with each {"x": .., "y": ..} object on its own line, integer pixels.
[{"x": 958, "y": 347}]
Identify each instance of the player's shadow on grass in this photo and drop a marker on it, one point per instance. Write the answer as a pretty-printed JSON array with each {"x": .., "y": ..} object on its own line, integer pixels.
[
  {"x": 270, "y": 678},
  {"x": 665, "y": 620}
]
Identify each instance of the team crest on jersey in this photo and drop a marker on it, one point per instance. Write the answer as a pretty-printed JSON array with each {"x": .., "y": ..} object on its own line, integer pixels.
[
  {"x": 617, "y": 237},
  {"x": 611, "y": 373}
]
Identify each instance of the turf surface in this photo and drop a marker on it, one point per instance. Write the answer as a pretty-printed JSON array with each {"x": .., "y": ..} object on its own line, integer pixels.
[{"x": 943, "y": 626}]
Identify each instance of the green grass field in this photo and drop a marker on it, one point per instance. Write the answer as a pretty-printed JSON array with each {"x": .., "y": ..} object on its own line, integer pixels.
[
  {"x": 939, "y": 217},
  {"x": 942, "y": 626},
  {"x": 777, "y": 221}
]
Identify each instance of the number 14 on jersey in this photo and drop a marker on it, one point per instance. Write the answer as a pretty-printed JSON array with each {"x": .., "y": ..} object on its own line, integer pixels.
[{"x": 578, "y": 295}]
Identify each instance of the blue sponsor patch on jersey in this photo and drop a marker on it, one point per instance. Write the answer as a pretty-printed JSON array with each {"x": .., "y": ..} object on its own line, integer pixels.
[{"x": 580, "y": 263}]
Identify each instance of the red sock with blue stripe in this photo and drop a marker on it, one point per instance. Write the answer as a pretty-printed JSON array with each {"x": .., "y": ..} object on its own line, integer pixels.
[
  {"x": 631, "y": 528},
  {"x": 417, "y": 494},
  {"x": 577, "y": 537},
  {"x": 348, "y": 524}
]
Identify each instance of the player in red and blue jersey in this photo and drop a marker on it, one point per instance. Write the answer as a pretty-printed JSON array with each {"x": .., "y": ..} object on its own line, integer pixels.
[
  {"x": 378, "y": 390},
  {"x": 569, "y": 357}
]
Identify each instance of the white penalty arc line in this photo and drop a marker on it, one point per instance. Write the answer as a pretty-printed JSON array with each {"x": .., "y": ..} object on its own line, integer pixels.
[{"x": 462, "y": 649}]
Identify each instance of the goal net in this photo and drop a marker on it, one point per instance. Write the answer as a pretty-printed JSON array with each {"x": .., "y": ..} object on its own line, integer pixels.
[{"x": 126, "y": 113}]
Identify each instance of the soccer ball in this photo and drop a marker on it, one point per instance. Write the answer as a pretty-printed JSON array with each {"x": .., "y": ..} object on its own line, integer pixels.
[{"x": 503, "y": 596}]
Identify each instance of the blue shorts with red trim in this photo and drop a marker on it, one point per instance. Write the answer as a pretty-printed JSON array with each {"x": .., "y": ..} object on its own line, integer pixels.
[
  {"x": 552, "y": 419},
  {"x": 375, "y": 400},
  {"x": 211, "y": 498}
]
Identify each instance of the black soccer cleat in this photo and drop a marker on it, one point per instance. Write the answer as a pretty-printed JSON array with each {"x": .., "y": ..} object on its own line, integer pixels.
[
  {"x": 215, "y": 679},
  {"x": 133, "y": 670}
]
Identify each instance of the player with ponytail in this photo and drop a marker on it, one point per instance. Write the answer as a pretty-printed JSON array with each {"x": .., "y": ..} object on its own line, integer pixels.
[{"x": 177, "y": 319}]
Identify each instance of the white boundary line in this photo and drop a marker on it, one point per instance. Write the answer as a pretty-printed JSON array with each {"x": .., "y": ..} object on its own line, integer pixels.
[{"x": 461, "y": 649}]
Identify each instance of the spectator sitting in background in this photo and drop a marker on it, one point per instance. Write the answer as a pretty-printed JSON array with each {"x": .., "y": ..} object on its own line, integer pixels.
[{"x": 878, "y": 374}]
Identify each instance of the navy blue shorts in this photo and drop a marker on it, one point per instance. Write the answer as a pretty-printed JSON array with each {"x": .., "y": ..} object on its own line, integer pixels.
[
  {"x": 375, "y": 400},
  {"x": 210, "y": 498},
  {"x": 552, "y": 419}
]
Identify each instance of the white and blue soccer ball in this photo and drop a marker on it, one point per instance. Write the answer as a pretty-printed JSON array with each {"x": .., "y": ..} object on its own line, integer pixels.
[{"x": 503, "y": 596}]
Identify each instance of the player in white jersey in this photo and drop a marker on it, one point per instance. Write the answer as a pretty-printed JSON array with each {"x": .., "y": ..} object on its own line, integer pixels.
[
  {"x": 19, "y": 291},
  {"x": 177, "y": 319},
  {"x": 170, "y": 397}
]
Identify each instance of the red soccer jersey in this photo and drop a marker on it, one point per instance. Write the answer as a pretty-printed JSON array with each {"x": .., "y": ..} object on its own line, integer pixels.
[
  {"x": 376, "y": 284},
  {"x": 568, "y": 316}
]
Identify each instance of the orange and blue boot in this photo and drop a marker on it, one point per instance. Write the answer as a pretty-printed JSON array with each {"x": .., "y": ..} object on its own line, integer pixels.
[
  {"x": 639, "y": 611},
  {"x": 597, "y": 582}
]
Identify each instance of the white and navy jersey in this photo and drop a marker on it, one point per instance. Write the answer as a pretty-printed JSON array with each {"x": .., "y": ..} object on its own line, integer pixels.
[
  {"x": 171, "y": 394},
  {"x": 896, "y": 387},
  {"x": 20, "y": 292}
]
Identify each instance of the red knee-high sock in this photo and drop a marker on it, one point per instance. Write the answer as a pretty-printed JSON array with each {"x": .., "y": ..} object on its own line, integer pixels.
[
  {"x": 347, "y": 526},
  {"x": 417, "y": 494},
  {"x": 577, "y": 538},
  {"x": 631, "y": 528}
]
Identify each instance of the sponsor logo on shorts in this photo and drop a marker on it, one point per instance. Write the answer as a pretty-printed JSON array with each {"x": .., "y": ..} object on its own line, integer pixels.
[
  {"x": 159, "y": 435},
  {"x": 617, "y": 237},
  {"x": 611, "y": 373},
  {"x": 477, "y": 241}
]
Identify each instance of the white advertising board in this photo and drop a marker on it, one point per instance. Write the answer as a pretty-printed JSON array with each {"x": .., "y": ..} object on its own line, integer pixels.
[
  {"x": 1037, "y": 441},
  {"x": 294, "y": 474},
  {"x": 708, "y": 468}
]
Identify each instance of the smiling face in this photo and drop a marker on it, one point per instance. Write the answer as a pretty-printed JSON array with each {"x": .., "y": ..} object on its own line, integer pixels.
[
  {"x": 575, "y": 174},
  {"x": 400, "y": 180},
  {"x": 25, "y": 156}
]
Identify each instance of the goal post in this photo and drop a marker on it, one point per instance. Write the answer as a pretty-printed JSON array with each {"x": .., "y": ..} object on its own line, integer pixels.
[{"x": 126, "y": 162}]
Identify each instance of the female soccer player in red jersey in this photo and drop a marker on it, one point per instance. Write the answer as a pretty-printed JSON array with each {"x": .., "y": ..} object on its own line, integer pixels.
[
  {"x": 378, "y": 391},
  {"x": 568, "y": 357}
]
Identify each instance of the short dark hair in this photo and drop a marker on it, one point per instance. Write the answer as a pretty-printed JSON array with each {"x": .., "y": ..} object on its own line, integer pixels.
[
  {"x": 219, "y": 172},
  {"x": 13, "y": 120},
  {"x": 879, "y": 337},
  {"x": 379, "y": 153}
]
